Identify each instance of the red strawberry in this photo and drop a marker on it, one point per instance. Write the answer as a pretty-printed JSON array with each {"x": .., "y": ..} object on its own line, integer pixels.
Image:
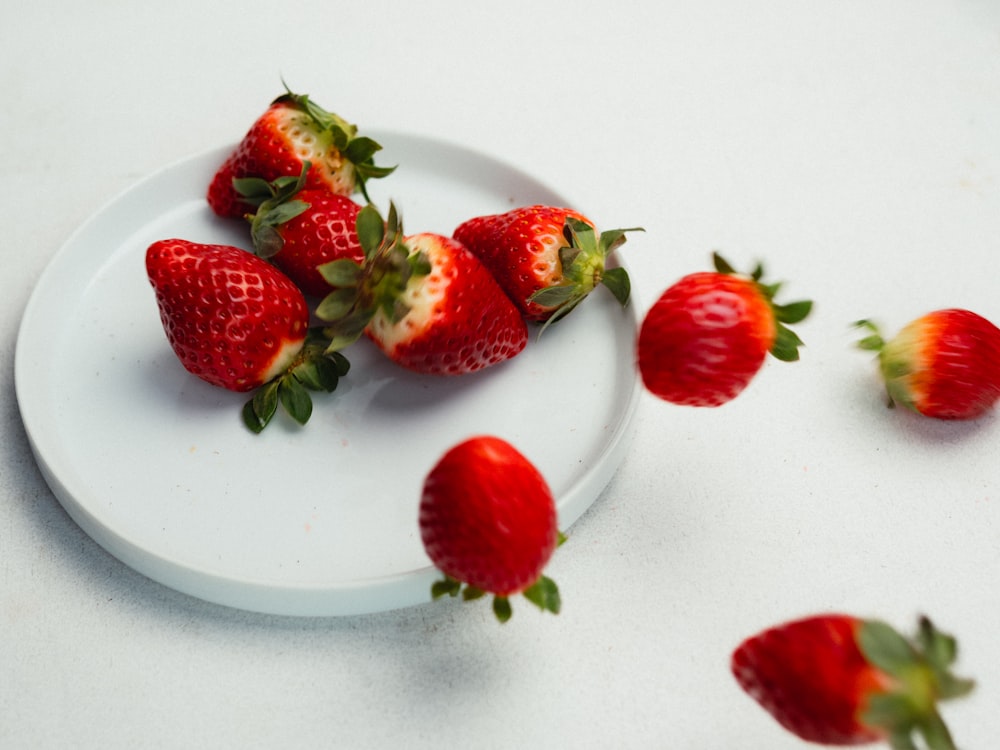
[
  {"x": 547, "y": 259},
  {"x": 299, "y": 229},
  {"x": 238, "y": 323},
  {"x": 425, "y": 300},
  {"x": 706, "y": 337},
  {"x": 292, "y": 131},
  {"x": 840, "y": 680},
  {"x": 945, "y": 364},
  {"x": 488, "y": 520}
]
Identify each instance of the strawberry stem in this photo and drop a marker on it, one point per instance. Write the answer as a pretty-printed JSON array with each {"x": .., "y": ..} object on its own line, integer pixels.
[{"x": 922, "y": 671}]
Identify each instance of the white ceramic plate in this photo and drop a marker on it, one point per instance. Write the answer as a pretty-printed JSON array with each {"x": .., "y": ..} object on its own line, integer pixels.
[{"x": 157, "y": 467}]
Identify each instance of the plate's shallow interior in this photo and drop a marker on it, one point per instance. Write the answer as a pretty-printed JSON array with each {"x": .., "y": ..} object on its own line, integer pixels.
[{"x": 157, "y": 467}]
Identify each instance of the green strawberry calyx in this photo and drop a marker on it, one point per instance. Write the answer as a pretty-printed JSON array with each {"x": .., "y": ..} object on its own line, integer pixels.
[
  {"x": 895, "y": 359},
  {"x": 920, "y": 670},
  {"x": 786, "y": 341},
  {"x": 543, "y": 593},
  {"x": 377, "y": 283},
  {"x": 584, "y": 263},
  {"x": 358, "y": 150},
  {"x": 313, "y": 369},
  {"x": 276, "y": 204}
]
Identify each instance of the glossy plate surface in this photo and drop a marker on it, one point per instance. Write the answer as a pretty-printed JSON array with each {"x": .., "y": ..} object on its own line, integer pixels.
[{"x": 157, "y": 467}]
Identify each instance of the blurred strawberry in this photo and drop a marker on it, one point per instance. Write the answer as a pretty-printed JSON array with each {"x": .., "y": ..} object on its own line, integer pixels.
[
  {"x": 840, "y": 680},
  {"x": 705, "y": 338},
  {"x": 488, "y": 522},
  {"x": 945, "y": 364}
]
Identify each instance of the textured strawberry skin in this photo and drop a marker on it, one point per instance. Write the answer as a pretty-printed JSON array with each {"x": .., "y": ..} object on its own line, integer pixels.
[
  {"x": 460, "y": 320},
  {"x": 812, "y": 677},
  {"x": 277, "y": 145},
  {"x": 487, "y": 517},
  {"x": 945, "y": 365},
  {"x": 521, "y": 249},
  {"x": 233, "y": 320},
  {"x": 704, "y": 339},
  {"x": 324, "y": 232}
]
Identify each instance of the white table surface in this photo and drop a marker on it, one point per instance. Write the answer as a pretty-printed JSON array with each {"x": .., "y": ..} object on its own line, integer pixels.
[{"x": 852, "y": 146}]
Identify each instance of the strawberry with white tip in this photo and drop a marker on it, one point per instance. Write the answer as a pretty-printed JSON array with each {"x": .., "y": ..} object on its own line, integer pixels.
[
  {"x": 944, "y": 365},
  {"x": 294, "y": 130},
  {"x": 236, "y": 322},
  {"x": 424, "y": 300},
  {"x": 547, "y": 258}
]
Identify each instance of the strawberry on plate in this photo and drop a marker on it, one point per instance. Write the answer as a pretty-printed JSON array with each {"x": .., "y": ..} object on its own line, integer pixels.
[
  {"x": 488, "y": 522},
  {"x": 292, "y": 131},
  {"x": 547, "y": 258},
  {"x": 705, "y": 338},
  {"x": 238, "y": 323},
  {"x": 945, "y": 364},
  {"x": 425, "y": 300},
  {"x": 836, "y": 679},
  {"x": 299, "y": 229}
]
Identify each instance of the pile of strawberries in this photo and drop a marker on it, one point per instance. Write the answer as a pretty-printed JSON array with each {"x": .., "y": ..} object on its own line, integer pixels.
[{"x": 322, "y": 270}]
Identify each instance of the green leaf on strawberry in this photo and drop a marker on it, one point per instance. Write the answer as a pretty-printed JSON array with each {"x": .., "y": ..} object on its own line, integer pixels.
[
  {"x": 545, "y": 595},
  {"x": 502, "y": 609},
  {"x": 378, "y": 283},
  {"x": 314, "y": 369}
]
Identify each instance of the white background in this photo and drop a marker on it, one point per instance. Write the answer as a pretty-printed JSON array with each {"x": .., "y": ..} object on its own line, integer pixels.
[{"x": 852, "y": 146}]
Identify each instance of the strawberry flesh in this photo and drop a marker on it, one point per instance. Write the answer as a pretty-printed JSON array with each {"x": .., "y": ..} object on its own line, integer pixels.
[
  {"x": 324, "y": 232},
  {"x": 812, "y": 678},
  {"x": 232, "y": 319},
  {"x": 487, "y": 517},
  {"x": 704, "y": 339},
  {"x": 836, "y": 679}
]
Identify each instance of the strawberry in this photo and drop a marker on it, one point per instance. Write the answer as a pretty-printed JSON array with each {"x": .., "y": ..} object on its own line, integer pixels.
[
  {"x": 291, "y": 131},
  {"x": 704, "y": 339},
  {"x": 547, "y": 259},
  {"x": 488, "y": 522},
  {"x": 425, "y": 301},
  {"x": 840, "y": 680},
  {"x": 238, "y": 323},
  {"x": 299, "y": 229},
  {"x": 945, "y": 364}
]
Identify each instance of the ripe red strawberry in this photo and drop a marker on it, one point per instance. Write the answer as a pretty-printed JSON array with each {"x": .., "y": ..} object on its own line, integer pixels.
[
  {"x": 547, "y": 259},
  {"x": 945, "y": 364},
  {"x": 706, "y": 337},
  {"x": 488, "y": 520},
  {"x": 292, "y": 131},
  {"x": 238, "y": 323},
  {"x": 840, "y": 680},
  {"x": 299, "y": 229},
  {"x": 425, "y": 300}
]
